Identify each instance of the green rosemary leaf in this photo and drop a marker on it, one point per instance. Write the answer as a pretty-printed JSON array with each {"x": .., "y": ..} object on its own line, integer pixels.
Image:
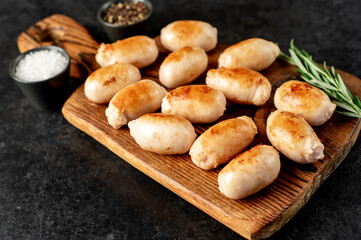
[
  {"x": 346, "y": 93},
  {"x": 326, "y": 70},
  {"x": 344, "y": 106},
  {"x": 322, "y": 85},
  {"x": 349, "y": 114},
  {"x": 305, "y": 75},
  {"x": 286, "y": 58},
  {"x": 297, "y": 61},
  {"x": 313, "y": 68},
  {"x": 339, "y": 95},
  {"x": 346, "y": 90},
  {"x": 333, "y": 71},
  {"x": 357, "y": 101}
]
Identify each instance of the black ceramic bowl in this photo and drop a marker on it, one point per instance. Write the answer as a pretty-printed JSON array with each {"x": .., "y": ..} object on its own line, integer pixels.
[
  {"x": 46, "y": 94},
  {"x": 118, "y": 32}
]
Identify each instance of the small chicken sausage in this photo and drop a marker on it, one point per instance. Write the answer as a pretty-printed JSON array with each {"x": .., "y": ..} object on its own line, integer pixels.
[
  {"x": 140, "y": 51},
  {"x": 249, "y": 172},
  {"x": 255, "y": 53},
  {"x": 105, "y": 82},
  {"x": 163, "y": 133},
  {"x": 179, "y": 34},
  {"x": 133, "y": 101},
  {"x": 290, "y": 134},
  {"x": 305, "y": 100},
  {"x": 197, "y": 103},
  {"x": 182, "y": 66},
  {"x": 221, "y": 142},
  {"x": 240, "y": 85}
]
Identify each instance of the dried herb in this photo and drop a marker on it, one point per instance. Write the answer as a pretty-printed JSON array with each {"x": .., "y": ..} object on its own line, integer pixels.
[{"x": 328, "y": 81}]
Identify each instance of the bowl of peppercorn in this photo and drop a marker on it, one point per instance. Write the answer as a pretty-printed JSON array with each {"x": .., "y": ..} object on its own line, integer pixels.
[{"x": 124, "y": 18}]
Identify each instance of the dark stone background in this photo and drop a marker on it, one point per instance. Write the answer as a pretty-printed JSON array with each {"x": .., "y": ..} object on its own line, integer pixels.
[{"x": 58, "y": 183}]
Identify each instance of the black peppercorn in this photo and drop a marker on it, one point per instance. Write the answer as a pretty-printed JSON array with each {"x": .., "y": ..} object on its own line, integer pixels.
[{"x": 125, "y": 13}]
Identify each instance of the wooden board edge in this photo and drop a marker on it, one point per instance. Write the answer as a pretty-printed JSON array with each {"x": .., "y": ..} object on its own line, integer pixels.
[{"x": 287, "y": 215}]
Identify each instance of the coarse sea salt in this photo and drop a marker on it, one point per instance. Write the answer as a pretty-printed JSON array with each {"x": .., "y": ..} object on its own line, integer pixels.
[{"x": 40, "y": 65}]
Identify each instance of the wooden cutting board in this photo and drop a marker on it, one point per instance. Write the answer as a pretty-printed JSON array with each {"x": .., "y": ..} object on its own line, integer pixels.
[{"x": 255, "y": 217}]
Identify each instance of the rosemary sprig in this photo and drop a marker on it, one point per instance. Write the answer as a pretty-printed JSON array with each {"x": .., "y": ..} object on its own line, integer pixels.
[{"x": 328, "y": 81}]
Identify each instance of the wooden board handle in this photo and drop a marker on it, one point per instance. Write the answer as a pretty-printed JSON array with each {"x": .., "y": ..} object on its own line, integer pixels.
[{"x": 62, "y": 31}]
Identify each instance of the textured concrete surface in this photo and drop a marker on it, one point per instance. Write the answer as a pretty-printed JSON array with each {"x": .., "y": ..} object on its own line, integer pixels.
[{"x": 58, "y": 183}]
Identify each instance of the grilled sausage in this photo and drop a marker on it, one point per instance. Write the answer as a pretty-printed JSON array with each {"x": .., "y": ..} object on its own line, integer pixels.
[
  {"x": 290, "y": 134},
  {"x": 240, "y": 85},
  {"x": 162, "y": 133},
  {"x": 179, "y": 34},
  {"x": 197, "y": 103},
  {"x": 105, "y": 82},
  {"x": 140, "y": 51},
  {"x": 221, "y": 142},
  {"x": 182, "y": 66},
  {"x": 249, "y": 172},
  {"x": 305, "y": 100},
  {"x": 255, "y": 53},
  {"x": 133, "y": 101}
]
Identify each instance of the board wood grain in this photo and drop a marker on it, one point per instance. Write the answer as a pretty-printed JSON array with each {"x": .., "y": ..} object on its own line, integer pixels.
[{"x": 257, "y": 216}]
